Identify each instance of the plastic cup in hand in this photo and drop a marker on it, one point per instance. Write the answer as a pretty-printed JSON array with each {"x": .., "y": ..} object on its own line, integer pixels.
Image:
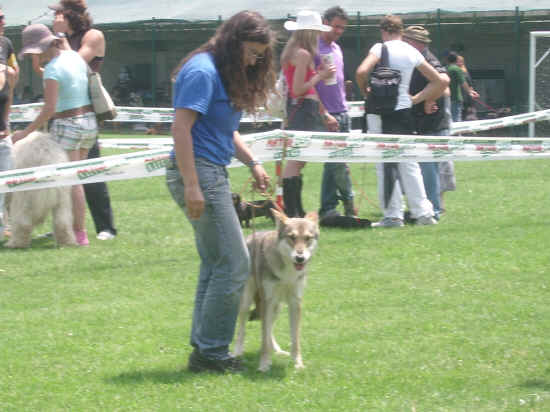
[{"x": 327, "y": 60}]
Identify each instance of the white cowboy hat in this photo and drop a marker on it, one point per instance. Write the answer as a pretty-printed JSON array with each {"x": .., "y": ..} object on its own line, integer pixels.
[{"x": 307, "y": 20}]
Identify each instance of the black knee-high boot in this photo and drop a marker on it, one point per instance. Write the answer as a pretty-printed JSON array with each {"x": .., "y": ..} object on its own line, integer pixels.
[
  {"x": 289, "y": 196},
  {"x": 299, "y": 208},
  {"x": 292, "y": 196}
]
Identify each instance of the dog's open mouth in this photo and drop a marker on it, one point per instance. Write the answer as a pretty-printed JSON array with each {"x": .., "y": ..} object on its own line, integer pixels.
[{"x": 299, "y": 266}]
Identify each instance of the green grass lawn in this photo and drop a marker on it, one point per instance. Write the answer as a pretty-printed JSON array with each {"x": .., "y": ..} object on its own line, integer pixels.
[{"x": 453, "y": 317}]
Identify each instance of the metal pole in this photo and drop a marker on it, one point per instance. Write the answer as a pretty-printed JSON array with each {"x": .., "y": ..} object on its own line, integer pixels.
[
  {"x": 533, "y": 64},
  {"x": 532, "y": 73},
  {"x": 517, "y": 88},
  {"x": 154, "y": 64},
  {"x": 438, "y": 37},
  {"x": 358, "y": 43},
  {"x": 30, "y": 70},
  {"x": 358, "y": 39}
]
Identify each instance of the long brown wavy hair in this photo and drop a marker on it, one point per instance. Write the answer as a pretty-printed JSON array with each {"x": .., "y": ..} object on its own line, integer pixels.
[
  {"x": 76, "y": 13},
  {"x": 246, "y": 86}
]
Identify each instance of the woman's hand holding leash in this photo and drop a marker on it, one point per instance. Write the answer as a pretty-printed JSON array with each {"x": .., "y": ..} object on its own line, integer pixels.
[{"x": 261, "y": 177}]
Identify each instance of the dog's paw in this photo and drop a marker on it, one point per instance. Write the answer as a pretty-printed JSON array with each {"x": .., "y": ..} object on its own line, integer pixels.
[
  {"x": 282, "y": 352},
  {"x": 299, "y": 365},
  {"x": 265, "y": 365},
  {"x": 264, "y": 368},
  {"x": 237, "y": 352},
  {"x": 12, "y": 245}
]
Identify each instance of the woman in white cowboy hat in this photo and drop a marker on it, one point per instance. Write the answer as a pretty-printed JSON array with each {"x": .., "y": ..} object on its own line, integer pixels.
[
  {"x": 67, "y": 101},
  {"x": 304, "y": 110}
]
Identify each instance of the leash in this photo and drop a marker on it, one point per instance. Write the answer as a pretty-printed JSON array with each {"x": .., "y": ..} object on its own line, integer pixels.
[
  {"x": 259, "y": 297},
  {"x": 482, "y": 103},
  {"x": 362, "y": 193},
  {"x": 260, "y": 306}
]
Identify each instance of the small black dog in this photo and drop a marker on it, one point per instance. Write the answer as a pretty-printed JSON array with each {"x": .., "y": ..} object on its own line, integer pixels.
[{"x": 245, "y": 212}]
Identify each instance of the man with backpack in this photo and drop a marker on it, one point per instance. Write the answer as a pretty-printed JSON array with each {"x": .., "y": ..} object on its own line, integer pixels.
[{"x": 394, "y": 176}]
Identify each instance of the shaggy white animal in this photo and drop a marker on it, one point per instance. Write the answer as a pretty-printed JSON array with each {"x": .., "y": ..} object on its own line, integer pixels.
[{"x": 30, "y": 208}]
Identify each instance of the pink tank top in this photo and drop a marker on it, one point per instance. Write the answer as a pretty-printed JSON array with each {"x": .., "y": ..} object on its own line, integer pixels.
[{"x": 289, "y": 71}]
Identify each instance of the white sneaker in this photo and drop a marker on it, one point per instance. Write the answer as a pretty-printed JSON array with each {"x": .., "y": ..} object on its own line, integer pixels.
[
  {"x": 105, "y": 235},
  {"x": 389, "y": 222},
  {"x": 426, "y": 220}
]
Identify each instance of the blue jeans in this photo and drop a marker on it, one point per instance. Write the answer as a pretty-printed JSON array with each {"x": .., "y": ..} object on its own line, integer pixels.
[
  {"x": 225, "y": 263},
  {"x": 456, "y": 110},
  {"x": 5, "y": 164},
  {"x": 430, "y": 174},
  {"x": 336, "y": 182}
]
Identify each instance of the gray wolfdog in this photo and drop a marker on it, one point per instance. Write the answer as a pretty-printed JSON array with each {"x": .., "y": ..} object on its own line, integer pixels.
[{"x": 278, "y": 273}]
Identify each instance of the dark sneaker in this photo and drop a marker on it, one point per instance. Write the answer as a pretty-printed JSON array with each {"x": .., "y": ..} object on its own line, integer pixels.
[
  {"x": 347, "y": 222},
  {"x": 330, "y": 213},
  {"x": 200, "y": 363}
]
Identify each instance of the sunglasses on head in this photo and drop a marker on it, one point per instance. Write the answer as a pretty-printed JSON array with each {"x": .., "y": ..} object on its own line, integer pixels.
[{"x": 253, "y": 53}]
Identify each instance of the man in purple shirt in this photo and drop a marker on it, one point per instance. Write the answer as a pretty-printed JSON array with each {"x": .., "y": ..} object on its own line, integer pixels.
[{"x": 336, "y": 183}]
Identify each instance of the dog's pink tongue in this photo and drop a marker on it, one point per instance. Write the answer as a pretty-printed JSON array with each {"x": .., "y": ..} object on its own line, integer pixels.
[{"x": 299, "y": 266}]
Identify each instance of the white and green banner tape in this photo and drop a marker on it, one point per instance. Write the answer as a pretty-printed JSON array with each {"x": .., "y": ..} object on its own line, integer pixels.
[
  {"x": 28, "y": 112},
  {"x": 276, "y": 144}
]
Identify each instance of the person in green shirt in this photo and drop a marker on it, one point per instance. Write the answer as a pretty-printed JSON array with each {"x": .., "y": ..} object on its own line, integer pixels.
[{"x": 458, "y": 85}]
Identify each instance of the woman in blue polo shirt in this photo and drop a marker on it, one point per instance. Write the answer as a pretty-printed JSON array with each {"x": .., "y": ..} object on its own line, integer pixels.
[{"x": 230, "y": 73}]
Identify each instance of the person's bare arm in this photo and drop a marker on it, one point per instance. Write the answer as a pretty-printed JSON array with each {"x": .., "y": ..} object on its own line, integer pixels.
[
  {"x": 364, "y": 70},
  {"x": 93, "y": 45},
  {"x": 39, "y": 70},
  {"x": 183, "y": 146},
  {"x": 11, "y": 79},
  {"x": 435, "y": 87},
  {"x": 470, "y": 90},
  {"x": 430, "y": 106},
  {"x": 12, "y": 62},
  {"x": 245, "y": 155},
  {"x": 302, "y": 62},
  {"x": 51, "y": 92}
]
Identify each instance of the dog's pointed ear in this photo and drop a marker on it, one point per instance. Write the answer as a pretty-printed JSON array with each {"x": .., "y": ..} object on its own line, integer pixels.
[
  {"x": 313, "y": 216},
  {"x": 280, "y": 216}
]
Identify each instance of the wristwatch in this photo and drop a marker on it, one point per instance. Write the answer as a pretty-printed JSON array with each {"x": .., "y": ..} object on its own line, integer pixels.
[{"x": 253, "y": 162}]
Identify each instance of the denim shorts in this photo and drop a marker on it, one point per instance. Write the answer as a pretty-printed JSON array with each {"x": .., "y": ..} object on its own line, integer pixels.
[{"x": 303, "y": 114}]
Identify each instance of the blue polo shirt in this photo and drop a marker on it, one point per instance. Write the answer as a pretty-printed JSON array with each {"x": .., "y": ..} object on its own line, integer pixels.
[{"x": 199, "y": 88}]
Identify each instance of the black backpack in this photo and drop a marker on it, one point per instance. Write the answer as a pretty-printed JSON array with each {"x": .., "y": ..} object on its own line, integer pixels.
[{"x": 384, "y": 87}]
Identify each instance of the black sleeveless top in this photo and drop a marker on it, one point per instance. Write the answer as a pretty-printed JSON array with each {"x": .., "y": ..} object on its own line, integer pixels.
[
  {"x": 75, "y": 41},
  {"x": 4, "y": 96}
]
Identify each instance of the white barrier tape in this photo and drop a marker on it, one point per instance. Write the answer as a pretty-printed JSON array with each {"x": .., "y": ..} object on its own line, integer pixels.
[
  {"x": 128, "y": 166},
  {"x": 151, "y": 143},
  {"x": 167, "y": 142},
  {"x": 491, "y": 124},
  {"x": 269, "y": 146},
  {"x": 28, "y": 112}
]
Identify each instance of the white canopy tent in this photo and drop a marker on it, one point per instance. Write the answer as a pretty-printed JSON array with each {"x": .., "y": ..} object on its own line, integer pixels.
[{"x": 120, "y": 11}]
